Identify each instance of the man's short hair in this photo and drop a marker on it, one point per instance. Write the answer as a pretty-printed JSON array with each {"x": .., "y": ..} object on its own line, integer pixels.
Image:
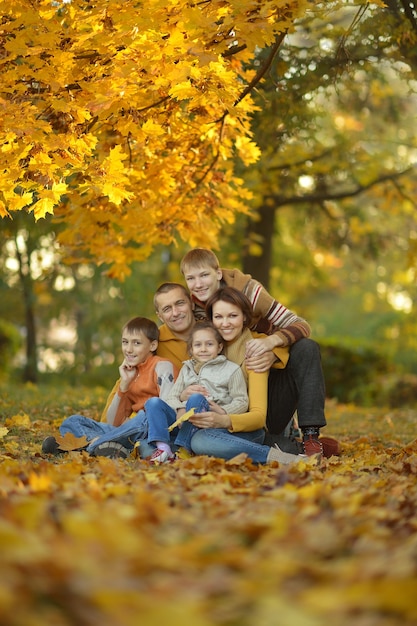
[
  {"x": 166, "y": 288},
  {"x": 199, "y": 257}
]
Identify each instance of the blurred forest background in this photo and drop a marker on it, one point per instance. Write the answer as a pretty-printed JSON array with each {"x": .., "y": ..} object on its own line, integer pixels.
[{"x": 332, "y": 231}]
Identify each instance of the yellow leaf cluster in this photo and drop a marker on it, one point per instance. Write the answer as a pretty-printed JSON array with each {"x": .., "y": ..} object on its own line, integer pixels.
[{"x": 122, "y": 119}]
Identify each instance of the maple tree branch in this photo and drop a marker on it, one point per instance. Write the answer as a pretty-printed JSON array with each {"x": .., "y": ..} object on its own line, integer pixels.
[
  {"x": 263, "y": 70},
  {"x": 233, "y": 50},
  {"x": 313, "y": 159},
  {"x": 404, "y": 195},
  {"x": 215, "y": 158},
  {"x": 316, "y": 198}
]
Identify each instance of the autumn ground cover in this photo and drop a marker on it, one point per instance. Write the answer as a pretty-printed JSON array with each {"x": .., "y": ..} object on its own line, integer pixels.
[{"x": 94, "y": 541}]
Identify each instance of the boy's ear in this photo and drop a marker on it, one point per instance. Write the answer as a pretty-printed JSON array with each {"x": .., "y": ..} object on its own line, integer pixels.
[
  {"x": 154, "y": 345},
  {"x": 219, "y": 274}
]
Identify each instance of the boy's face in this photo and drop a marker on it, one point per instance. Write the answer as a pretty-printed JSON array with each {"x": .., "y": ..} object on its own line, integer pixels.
[
  {"x": 136, "y": 348},
  {"x": 175, "y": 310},
  {"x": 202, "y": 282}
]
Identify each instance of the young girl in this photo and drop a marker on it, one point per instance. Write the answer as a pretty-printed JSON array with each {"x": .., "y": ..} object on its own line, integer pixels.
[{"x": 213, "y": 382}]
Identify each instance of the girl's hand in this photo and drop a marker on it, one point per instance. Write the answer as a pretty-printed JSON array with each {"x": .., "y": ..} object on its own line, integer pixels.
[
  {"x": 210, "y": 419},
  {"x": 188, "y": 391}
]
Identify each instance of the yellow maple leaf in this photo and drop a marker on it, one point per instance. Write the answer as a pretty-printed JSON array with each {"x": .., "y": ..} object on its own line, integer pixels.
[
  {"x": 116, "y": 194},
  {"x": 3, "y": 432},
  {"x": 70, "y": 442},
  {"x": 42, "y": 207},
  {"x": 183, "y": 91},
  {"x": 21, "y": 419}
]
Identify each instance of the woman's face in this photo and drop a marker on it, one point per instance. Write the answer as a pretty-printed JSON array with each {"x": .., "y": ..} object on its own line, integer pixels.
[{"x": 228, "y": 319}]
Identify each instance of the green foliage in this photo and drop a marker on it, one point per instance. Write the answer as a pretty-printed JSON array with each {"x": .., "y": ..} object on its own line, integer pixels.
[{"x": 351, "y": 371}]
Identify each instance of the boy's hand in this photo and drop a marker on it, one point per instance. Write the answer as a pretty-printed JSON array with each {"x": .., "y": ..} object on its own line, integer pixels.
[
  {"x": 127, "y": 375},
  {"x": 261, "y": 363}
]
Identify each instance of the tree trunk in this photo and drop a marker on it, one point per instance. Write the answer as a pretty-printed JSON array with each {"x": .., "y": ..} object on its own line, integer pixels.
[
  {"x": 263, "y": 229},
  {"x": 30, "y": 373}
]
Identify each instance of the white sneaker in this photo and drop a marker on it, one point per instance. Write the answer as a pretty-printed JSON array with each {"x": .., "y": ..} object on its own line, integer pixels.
[
  {"x": 285, "y": 458},
  {"x": 161, "y": 456}
]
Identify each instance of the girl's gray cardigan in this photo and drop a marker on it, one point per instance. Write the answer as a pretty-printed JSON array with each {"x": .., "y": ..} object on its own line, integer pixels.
[{"x": 223, "y": 380}]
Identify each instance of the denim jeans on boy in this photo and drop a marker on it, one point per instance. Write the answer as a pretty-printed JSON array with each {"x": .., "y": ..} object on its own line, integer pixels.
[{"x": 127, "y": 434}]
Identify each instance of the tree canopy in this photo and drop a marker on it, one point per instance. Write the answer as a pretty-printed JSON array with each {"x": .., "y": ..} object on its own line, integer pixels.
[{"x": 122, "y": 117}]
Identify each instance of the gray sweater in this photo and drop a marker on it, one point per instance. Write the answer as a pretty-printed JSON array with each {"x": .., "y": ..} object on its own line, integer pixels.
[{"x": 223, "y": 380}]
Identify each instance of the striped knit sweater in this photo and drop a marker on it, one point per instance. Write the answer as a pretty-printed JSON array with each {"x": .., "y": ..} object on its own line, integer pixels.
[{"x": 270, "y": 316}]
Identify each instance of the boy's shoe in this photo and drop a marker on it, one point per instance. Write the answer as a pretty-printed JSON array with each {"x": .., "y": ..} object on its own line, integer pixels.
[
  {"x": 51, "y": 446},
  {"x": 327, "y": 446},
  {"x": 112, "y": 449},
  {"x": 331, "y": 447},
  {"x": 161, "y": 456}
]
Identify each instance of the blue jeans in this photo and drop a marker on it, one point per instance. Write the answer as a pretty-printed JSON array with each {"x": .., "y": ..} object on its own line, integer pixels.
[
  {"x": 160, "y": 416},
  {"x": 221, "y": 443},
  {"x": 127, "y": 434},
  {"x": 200, "y": 403}
]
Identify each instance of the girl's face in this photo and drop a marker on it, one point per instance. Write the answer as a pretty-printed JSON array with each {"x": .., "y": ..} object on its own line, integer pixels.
[
  {"x": 228, "y": 319},
  {"x": 136, "y": 348},
  {"x": 204, "y": 346}
]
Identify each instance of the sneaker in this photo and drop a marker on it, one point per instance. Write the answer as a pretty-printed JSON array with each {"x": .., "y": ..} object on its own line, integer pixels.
[
  {"x": 112, "y": 449},
  {"x": 51, "y": 446},
  {"x": 161, "y": 456},
  {"x": 285, "y": 458}
]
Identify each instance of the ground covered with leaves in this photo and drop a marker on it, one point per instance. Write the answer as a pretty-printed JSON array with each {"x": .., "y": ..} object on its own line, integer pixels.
[{"x": 88, "y": 541}]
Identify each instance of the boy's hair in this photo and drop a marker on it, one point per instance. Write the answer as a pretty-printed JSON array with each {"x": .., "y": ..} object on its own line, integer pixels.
[
  {"x": 166, "y": 288},
  {"x": 204, "y": 325},
  {"x": 232, "y": 296},
  {"x": 199, "y": 257},
  {"x": 144, "y": 325}
]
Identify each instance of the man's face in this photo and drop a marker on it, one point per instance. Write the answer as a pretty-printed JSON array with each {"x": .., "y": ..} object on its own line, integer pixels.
[
  {"x": 202, "y": 282},
  {"x": 176, "y": 311}
]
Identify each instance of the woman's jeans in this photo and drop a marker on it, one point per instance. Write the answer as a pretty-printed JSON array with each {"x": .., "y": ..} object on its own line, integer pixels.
[{"x": 221, "y": 443}]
